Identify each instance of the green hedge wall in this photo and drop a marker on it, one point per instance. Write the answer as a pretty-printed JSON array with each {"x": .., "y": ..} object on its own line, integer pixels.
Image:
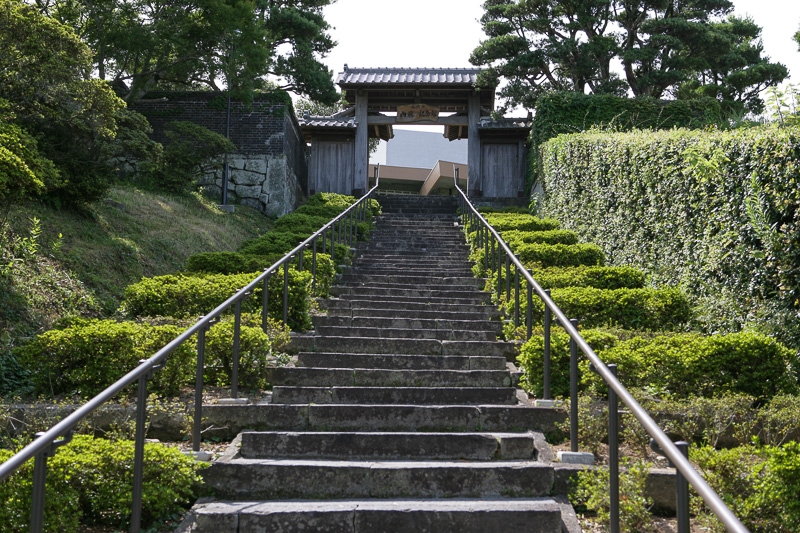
[
  {"x": 599, "y": 277},
  {"x": 89, "y": 483},
  {"x": 714, "y": 212},
  {"x": 545, "y": 237},
  {"x": 684, "y": 364},
  {"x": 237, "y": 263},
  {"x": 183, "y": 296},
  {"x": 89, "y": 356}
]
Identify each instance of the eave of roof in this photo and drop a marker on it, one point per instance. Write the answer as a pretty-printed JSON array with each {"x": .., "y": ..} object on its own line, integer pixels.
[{"x": 408, "y": 76}]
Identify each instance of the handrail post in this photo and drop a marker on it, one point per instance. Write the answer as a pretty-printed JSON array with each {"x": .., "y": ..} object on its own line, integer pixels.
[
  {"x": 265, "y": 305},
  {"x": 138, "y": 454},
  {"x": 528, "y": 314},
  {"x": 314, "y": 267},
  {"x": 516, "y": 297},
  {"x": 300, "y": 259},
  {"x": 237, "y": 328},
  {"x": 286, "y": 293},
  {"x": 486, "y": 239},
  {"x": 494, "y": 257},
  {"x": 682, "y": 492},
  {"x": 548, "y": 323},
  {"x": 573, "y": 391},
  {"x": 613, "y": 455},
  {"x": 198, "y": 389},
  {"x": 40, "y": 480},
  {"x": 508, "y": 278}
]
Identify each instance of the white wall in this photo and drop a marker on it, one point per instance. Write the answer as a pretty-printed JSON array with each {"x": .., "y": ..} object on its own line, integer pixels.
[{"x": 422, "y": 149}]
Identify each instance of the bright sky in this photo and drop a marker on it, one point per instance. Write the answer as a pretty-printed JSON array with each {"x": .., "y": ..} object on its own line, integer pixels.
[{"x": 443, "y": 33}]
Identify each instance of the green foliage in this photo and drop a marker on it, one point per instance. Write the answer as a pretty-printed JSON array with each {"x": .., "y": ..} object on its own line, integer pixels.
[
  {"x": 519, "y": 222},
  {"x": 89, "y": 355},
  {"x": 599, "y": 277},
  {"x": 44, "y": 78},
  {"x": 237, "y": 263},
  {"x": 634, "y": 504},
  {"x": 686, "y": 50},
  {"x": 274, "y": 242},
  {"x": 691, "y": 364},
  {"x": 86, "y": 359},
  {"x": 544, "y": 237},
  {"x": 182, "y": 296},
  {"x": 647, "y": 309},
  {"x": 168, "y": 45},
  {"x": 300, "y": 223},
  {"x": 710, "y": 420},
  {"x": 24, "y": 172},
  {"x": 192, "y": 151},
  {"x": 90, "y": 480},
  {"x": 507, "y": 209},
  {"x": 723, "y": 225},
  {"x": 531, "y": 359},
  {"x": 62, "y": 509},
  {"x": 550, "y": 255}
]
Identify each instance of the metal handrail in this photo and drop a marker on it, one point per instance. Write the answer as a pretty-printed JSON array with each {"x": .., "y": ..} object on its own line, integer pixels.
[
  {"x": 485, "y": 233},
  {"x": 45, "y": 444}
]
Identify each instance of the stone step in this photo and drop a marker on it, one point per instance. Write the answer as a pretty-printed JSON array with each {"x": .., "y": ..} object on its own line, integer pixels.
[
  {"x": 257, "y": 479},
  {"x": 448, "y": 306},
  {"x": 401, "y": 280},
  {"x": 230, "y": 420},
  {"x": 397, "y": 362},
  {"x": 388, "y": 445},
  {"x": 376, "y": 345},
  {"x": 406, "y": 323},
  {"x": 396, "y": 395},
  {"x": 413, "y": 294},
  {"x": 370, "y": 270},
  {"x": 533, "y": 515},
  {"x": 380, "y": 377},
  {"x": 403, "y": 333},
  {"x": 479, "y": 314}
]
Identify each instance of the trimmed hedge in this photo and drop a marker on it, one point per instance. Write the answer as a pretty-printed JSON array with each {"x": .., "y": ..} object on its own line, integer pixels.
[
  {"x": 519, "y": 222},
  {"x": 713, "y": 211},
  {"x": 89, "y": 483},
  {"x": 87, "y": 358},
  {"x": 90, "y": 355},
  {"x": 182, "y": 296},
  {"x": 508, "y": 209},
  {"x": 531, "y": 359},
  {"x": 690, "y": 364},
  {"x": 599, "y": 277},
  {"x": 237, "y": 263},
  {"x": 684, "y": 364},
  {"x": 646, "y": 309},
  {"x": 550, "y": 255},
  {"x": 278, "y": 244},
  {"x": 544, "y": 237}
]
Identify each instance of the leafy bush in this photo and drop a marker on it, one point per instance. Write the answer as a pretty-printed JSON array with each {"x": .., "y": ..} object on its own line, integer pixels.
[
  {"x": 192, "y": 150},
  {"x": 88, "y": 358},
  {"x": 634, "y": 505},
  {"x": 715, "y": 212},
  {"x": 274, "y": 242},
  {"x": 647, "y": 309},
  {"x": 599, "y": 277},
  {"x": 545, "y": 237},
  {"x": 89, "y": 480},
  {"x": 182, "y": 296},
  {"x": 531, "y": 359},
  {"x": 236, "y": 263},
  {"x": 519, "y": 222},
  {"x": 300, "y": 223},
  {"x": 691, "y": 364},
  {"x": 549, "y": 255},
  {"x": 24, "y": 172},
  {"x": 508, "y": 209}
]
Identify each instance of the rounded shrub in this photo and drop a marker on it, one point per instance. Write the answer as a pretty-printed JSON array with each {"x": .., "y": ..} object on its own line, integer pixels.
[{"x": 558, "y": 236}]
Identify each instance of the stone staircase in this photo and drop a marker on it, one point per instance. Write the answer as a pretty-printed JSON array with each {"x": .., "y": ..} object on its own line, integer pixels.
[{"x": 399, "y": 414}]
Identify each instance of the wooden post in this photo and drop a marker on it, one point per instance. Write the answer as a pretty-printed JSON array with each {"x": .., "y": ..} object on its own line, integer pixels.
[
  {"x": 361, "y": 154},
  {"x": 475, "y": 185}
]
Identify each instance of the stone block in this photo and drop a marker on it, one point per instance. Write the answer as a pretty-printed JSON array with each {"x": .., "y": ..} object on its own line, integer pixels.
[
  {"x": 256, "y": 165},
  {"x": 251, "y": 179},
  {"x": 251, "y": 202},
  {"x": 244, "y": 191},
  {"x": 264, "y": 199}
]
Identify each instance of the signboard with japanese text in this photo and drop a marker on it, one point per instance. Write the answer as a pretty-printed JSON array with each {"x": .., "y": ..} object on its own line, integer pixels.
[{"x": 417, "y": 113}]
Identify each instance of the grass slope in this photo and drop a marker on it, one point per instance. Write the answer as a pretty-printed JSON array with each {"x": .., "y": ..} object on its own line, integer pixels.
[{"x": 109, "y": 245}]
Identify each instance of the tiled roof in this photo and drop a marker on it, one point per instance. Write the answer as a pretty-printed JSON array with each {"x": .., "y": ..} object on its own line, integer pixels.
[
  {"x": 403, "y": 76},
  {"x": 504, "y": 124},
  {"x": 327, "y": 122}
]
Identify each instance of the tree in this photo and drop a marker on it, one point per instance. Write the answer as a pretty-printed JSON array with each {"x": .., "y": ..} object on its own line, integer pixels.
[
  {"x": 665, "y": 47},
  {"x": 797, "y": 38},
  {"x": 44, "y": 77},
  {"x": 168, "y": 44},
  {"x": 544, "y": 45},
  {"x": 733, "y": 70}
]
